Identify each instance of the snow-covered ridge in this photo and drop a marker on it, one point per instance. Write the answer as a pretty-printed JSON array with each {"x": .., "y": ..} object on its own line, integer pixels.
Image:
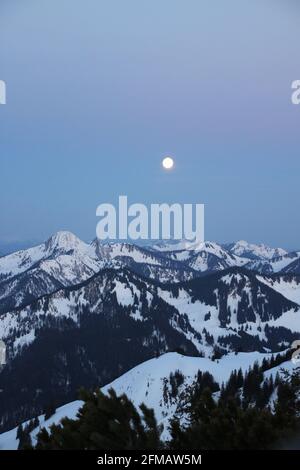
[
  {"x": 146, "y": 383},
  {"x": 252, "y": 251},
  {"x": 198, "y": 257},
  {"x": 65, "y": 260},
  {"x": 209, "y": 256}
]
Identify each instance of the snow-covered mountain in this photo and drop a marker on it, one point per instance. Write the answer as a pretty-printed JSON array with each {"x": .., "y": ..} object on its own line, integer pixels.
[
  {"x": 64, "y": 260},
  {"x": 62, "y": 243},
  {"x": 209, "y": 257},
  {"x": 93, "y": 332},
  {"x": 61, "y": 261},
  {"x": 150, "y": 383},
  {"x": 254, "y": 252},
  {"x": 206, "y": 257},
  {"x": 144, "y": 261},
  {"x": 183, "y": 245}
]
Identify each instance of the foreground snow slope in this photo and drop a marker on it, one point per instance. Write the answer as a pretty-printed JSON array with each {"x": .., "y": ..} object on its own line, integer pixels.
[{"x": 146, "y": 384}]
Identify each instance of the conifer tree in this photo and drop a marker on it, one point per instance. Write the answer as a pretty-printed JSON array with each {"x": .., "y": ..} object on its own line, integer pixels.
[{"x": 105, "y": 422}]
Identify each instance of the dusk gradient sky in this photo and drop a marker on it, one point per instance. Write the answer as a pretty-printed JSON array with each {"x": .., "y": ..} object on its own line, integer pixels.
[{"x": 99, "y": 91}]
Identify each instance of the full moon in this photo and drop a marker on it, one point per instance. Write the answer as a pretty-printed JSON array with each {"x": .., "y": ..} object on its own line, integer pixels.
[{"x": 168, "y": 163}]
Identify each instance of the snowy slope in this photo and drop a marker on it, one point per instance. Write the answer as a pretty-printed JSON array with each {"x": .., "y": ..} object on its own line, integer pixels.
[
  {"x": 288, "y": 286},
  {"x": 294, "y": 266},
  {"x": 147, "y": 383}
]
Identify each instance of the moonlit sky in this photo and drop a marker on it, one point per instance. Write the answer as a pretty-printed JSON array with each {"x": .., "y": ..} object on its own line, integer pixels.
[{"x": 99, "y": 91}]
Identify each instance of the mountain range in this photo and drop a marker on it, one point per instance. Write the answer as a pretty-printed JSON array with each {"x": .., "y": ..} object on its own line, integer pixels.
[
  {"x": 64, "y": 260},
  {"x": 75, "y": 314}
]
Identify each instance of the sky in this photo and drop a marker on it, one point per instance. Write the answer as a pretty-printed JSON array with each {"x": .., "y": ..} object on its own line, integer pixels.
[{"x": 99, "y": 91}]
